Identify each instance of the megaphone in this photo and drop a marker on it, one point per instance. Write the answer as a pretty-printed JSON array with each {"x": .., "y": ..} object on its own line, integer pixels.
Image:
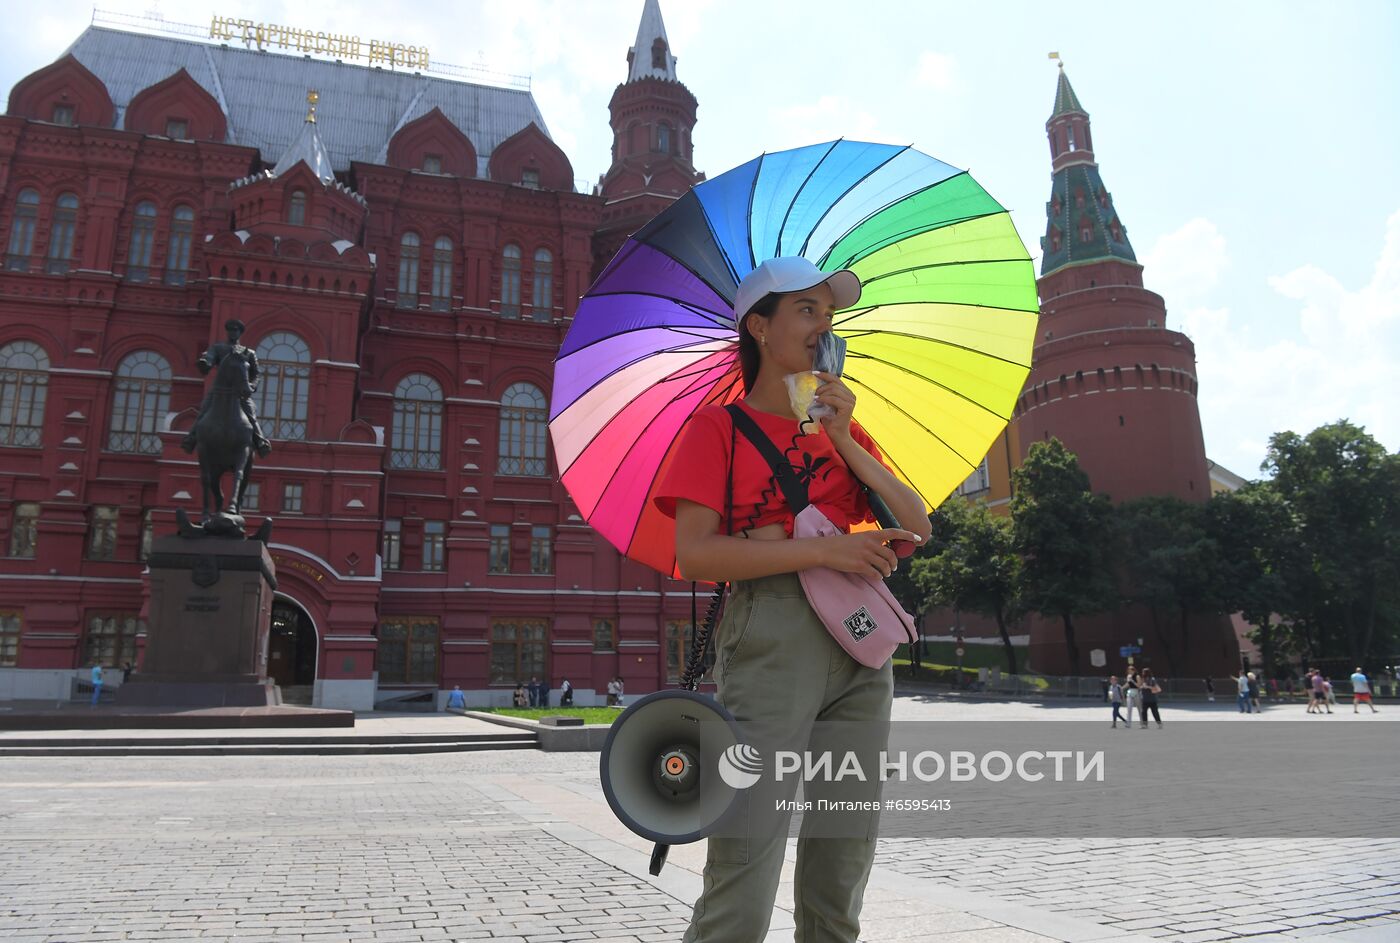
[{"x": 660, "y": 768}]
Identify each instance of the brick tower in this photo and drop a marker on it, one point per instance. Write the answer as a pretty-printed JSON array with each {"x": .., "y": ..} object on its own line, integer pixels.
[
  {"x": 1111, "y": 382},
  {"x": 653, "y": 115}
]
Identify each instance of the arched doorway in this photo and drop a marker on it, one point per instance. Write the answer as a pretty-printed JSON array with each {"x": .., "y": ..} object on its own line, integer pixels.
[{"x": 291, "y": 651}]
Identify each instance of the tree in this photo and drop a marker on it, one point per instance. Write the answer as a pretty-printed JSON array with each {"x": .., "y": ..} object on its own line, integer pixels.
[
  {"x": 1343, "y": 491},
  {"x": 1257, "y": 564},
  {"x": 1061, "y": 531},
  {"x": 974, "y": 567},
  {"x": 1170, "y": 564}
]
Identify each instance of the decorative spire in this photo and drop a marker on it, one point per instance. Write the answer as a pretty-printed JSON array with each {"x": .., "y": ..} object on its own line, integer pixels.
[
  {"x": 307, "y": 148},
  {"x": 651, "y": 56},
  {"x": 1082, "y": 224},
  {"x": 1064, "y": 98}
]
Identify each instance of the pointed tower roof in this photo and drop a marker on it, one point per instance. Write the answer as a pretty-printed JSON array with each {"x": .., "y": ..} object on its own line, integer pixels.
[
  {"x": 307, "y": 148},
  {"x": 651, "y": 56},
  {"x": 1065, "y": 99}
]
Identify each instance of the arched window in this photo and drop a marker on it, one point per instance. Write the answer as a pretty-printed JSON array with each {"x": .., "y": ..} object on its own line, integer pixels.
[
  {"x": 296, "y": 209},
  {"x": 663, "y": 138},
  {"x": 524, "y": 425},
  {"x": 140, "y": 400},
  {"x": 65, "y": 222},
  {"x": 1086, "y": 231},
  {"x": 543, "y": 299},
  {"x": 177, "y": 260},
  {"x": 442, "y": 274},
  {"x": 1071, "y": 138},
  {"x": 284, "y": 371},
  {"x": 143, "y": 236},
  {"x": 417, "y": 440},
  {"x": 24, "y": 387},
  {"x": 408, "y": 270},
  {"x": 22, "y": 230},
  {"x": 510, "y": 281}
]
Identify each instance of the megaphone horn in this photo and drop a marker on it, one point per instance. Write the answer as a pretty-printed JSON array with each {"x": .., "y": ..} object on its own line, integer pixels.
[{"x": 659, "y": 768}]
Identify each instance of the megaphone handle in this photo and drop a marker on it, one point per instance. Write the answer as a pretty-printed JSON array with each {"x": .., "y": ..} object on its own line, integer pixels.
[{"x": 658, "y": 857}]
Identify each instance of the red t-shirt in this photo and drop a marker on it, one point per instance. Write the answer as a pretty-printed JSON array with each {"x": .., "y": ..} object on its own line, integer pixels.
[{"x": 700, "y": 463}]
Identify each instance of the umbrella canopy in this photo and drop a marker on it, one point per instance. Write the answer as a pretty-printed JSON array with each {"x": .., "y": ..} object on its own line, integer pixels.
[{"x": 938, "y": 346}]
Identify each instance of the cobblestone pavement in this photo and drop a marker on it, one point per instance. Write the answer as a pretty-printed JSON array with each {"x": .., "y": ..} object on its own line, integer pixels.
[{"x": 521, "y": 847}]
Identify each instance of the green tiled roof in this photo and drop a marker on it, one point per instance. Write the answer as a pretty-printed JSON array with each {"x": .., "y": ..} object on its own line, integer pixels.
[
  {"x": 1065, "y": 99},
  {"x": 1065, "y": 215}
]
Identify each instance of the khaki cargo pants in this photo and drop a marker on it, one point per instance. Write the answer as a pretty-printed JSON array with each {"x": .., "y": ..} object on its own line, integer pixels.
[{"x": 778, "y": 670}]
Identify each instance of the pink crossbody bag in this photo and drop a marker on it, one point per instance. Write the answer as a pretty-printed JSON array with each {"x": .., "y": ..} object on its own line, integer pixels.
[{"x": 860, "y": 612}]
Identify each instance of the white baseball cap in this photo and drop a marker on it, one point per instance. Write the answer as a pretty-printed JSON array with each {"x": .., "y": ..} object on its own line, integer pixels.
[{"x": 789, "y": 274}]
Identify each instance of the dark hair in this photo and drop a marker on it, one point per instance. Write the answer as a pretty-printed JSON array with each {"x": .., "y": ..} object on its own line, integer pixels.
[
  {"x": 749, "y": 357},
  {"x": 234, "y": 323}
]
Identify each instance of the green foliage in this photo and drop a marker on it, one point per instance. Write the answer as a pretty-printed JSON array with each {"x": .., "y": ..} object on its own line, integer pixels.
[
  {"x": 1062, "y": 533},
  {"x": 972, "y": 566}
]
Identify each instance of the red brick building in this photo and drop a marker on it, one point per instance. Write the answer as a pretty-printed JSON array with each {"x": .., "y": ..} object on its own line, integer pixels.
[{"x": 406, "y": 251}]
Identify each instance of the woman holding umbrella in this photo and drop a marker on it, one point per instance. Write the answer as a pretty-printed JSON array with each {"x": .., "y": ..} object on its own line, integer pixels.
[{"x": 778, "y": 669}]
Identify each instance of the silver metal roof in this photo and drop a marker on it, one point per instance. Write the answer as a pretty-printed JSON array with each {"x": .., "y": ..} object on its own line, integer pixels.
[
  {"x": 263, "y": 95},
  {"x": 648, "y": 32},
  {"x": 307, "y": 148}
]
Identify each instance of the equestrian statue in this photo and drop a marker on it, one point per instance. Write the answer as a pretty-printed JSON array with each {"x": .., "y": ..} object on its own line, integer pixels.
[{"x": 226, "y": 432}]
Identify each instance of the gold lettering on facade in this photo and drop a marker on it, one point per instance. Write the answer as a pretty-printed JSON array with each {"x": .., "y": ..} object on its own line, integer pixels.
[{"x": 263, "y": 36}]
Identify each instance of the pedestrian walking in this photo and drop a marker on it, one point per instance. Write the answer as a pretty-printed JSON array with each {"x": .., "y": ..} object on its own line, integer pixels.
[
  {"x": 521, "y": 697},
  {"x": 1254, "y": 693},
  {"x": 1318, "y": 698},
  {"x": 96, "y": 684},
  {"x": 1242, "y": 697},
  {"x": 1210, "y": 690},
  {"x": 566, "y": 694},
  {"x": 1150, "y": 689},
  {"x": 544, "y": 693},
  {"x": 621, "y": 690},
  {"x": 1328, "y": 693},
  {"x": 612, "y": 692},
  {"x": 126, "y": 672},
  {"x": 1115, "y": 697},
  {"x": 534, "y": 688},
  {"x": 1361, "y": 691},
  {"x": 1132, "y": 695}
]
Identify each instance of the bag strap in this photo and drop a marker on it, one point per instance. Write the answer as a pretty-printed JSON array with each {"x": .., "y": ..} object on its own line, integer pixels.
[{"x": 793, "y": 488}]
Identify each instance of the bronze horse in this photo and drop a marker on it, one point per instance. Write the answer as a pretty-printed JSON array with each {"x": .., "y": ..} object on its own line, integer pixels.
[{"x": 225, "y": 438}]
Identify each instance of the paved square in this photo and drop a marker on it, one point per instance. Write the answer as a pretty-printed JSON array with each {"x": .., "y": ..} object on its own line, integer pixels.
[{"x": 521, "y": 846}]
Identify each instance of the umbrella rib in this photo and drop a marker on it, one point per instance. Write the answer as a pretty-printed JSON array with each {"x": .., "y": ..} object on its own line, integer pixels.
[
  {"x": 864, "y": 177},
  {"x": 880, "y": 209},
  {"x": 934, "y": 340},
  {"x": 720, "y": 319},
  {"x": 685, "y": 265},
  {"x": 787, "y": 214},
  {"x": 689, "y": 331},
  {"x": 636, "y": 360},
  {"x": 934, "y": 265},
  {"x": 919, "y": 231},
  {"x": 857, "y": 312},
  {"x": 613, "y": 477},
  {"x": 942, "y": 386},
  {"x": 748, "y": 214},
  {"x": 904, "y": 412}
]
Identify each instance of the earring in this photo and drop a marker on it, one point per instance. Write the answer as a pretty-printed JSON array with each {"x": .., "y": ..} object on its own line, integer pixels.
[{"x": 764, "y": 341}]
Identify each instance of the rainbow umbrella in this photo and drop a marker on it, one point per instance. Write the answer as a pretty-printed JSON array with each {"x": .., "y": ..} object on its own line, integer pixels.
[{"x": 937, "y": 348}]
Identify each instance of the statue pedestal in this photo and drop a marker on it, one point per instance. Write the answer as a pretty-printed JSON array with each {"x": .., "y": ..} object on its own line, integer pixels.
[{"x": 207, "y": 627}]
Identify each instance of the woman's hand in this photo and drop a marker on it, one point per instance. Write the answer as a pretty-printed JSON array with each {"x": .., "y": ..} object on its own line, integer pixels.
[
  {"x": 865, "y": 552},
  {"x": 839, "y": 397}
]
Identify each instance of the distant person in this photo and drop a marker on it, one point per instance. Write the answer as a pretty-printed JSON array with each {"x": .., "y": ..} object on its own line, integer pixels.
[
  {"x": 1328, "y": 693},
  {"x": 1242, "y": 687},
  {"x": 566, "y": 694},
  {"x": 1273, "y": 688},
  {"x": 1150, "y": 689},
  {"x": 96, "y": 684},
  {"x": 521, "y": 698},
  {"x": 457, "y": 701},
  {"x": 126, "y": 672},
  {"x": 620, "y": 690},
  {"x": 612, "y": 692},
  {"x": 1115, "y": 697},
  {"x": 544, "y": 693},
  {"x": 1210, "y": 690},
  {"x": 1254, "y": 693},
  {"x": 1361, "y": 691},
  {"x": 1319, "y": 693},
  {"x": 1132, "y": 695},
  {"x": 534, "y": 688}
]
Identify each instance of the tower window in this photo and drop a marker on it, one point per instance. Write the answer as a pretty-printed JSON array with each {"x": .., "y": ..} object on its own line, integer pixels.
[
  {"x": 64, "y": 114},
  {"x": 177, "y": 128},
  {"x": 530, "y": 177},
  {"x": 432, "y": 163},
  {"x": 663, "y": 138},
  {"x": 1071, "y": 138},
  {"x": 658, "y": 55},
  {"x": 296, "y": 210}
]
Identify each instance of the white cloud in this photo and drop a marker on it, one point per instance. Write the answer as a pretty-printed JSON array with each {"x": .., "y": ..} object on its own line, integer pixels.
[
  {"x": 1332, "y": 358},
  {"x": 1188, "y": 262},
  {"x": 937, "y": 71}
]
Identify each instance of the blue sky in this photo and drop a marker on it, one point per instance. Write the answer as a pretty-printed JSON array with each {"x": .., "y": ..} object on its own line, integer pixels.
[{"x": 1251, "y": 148}]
